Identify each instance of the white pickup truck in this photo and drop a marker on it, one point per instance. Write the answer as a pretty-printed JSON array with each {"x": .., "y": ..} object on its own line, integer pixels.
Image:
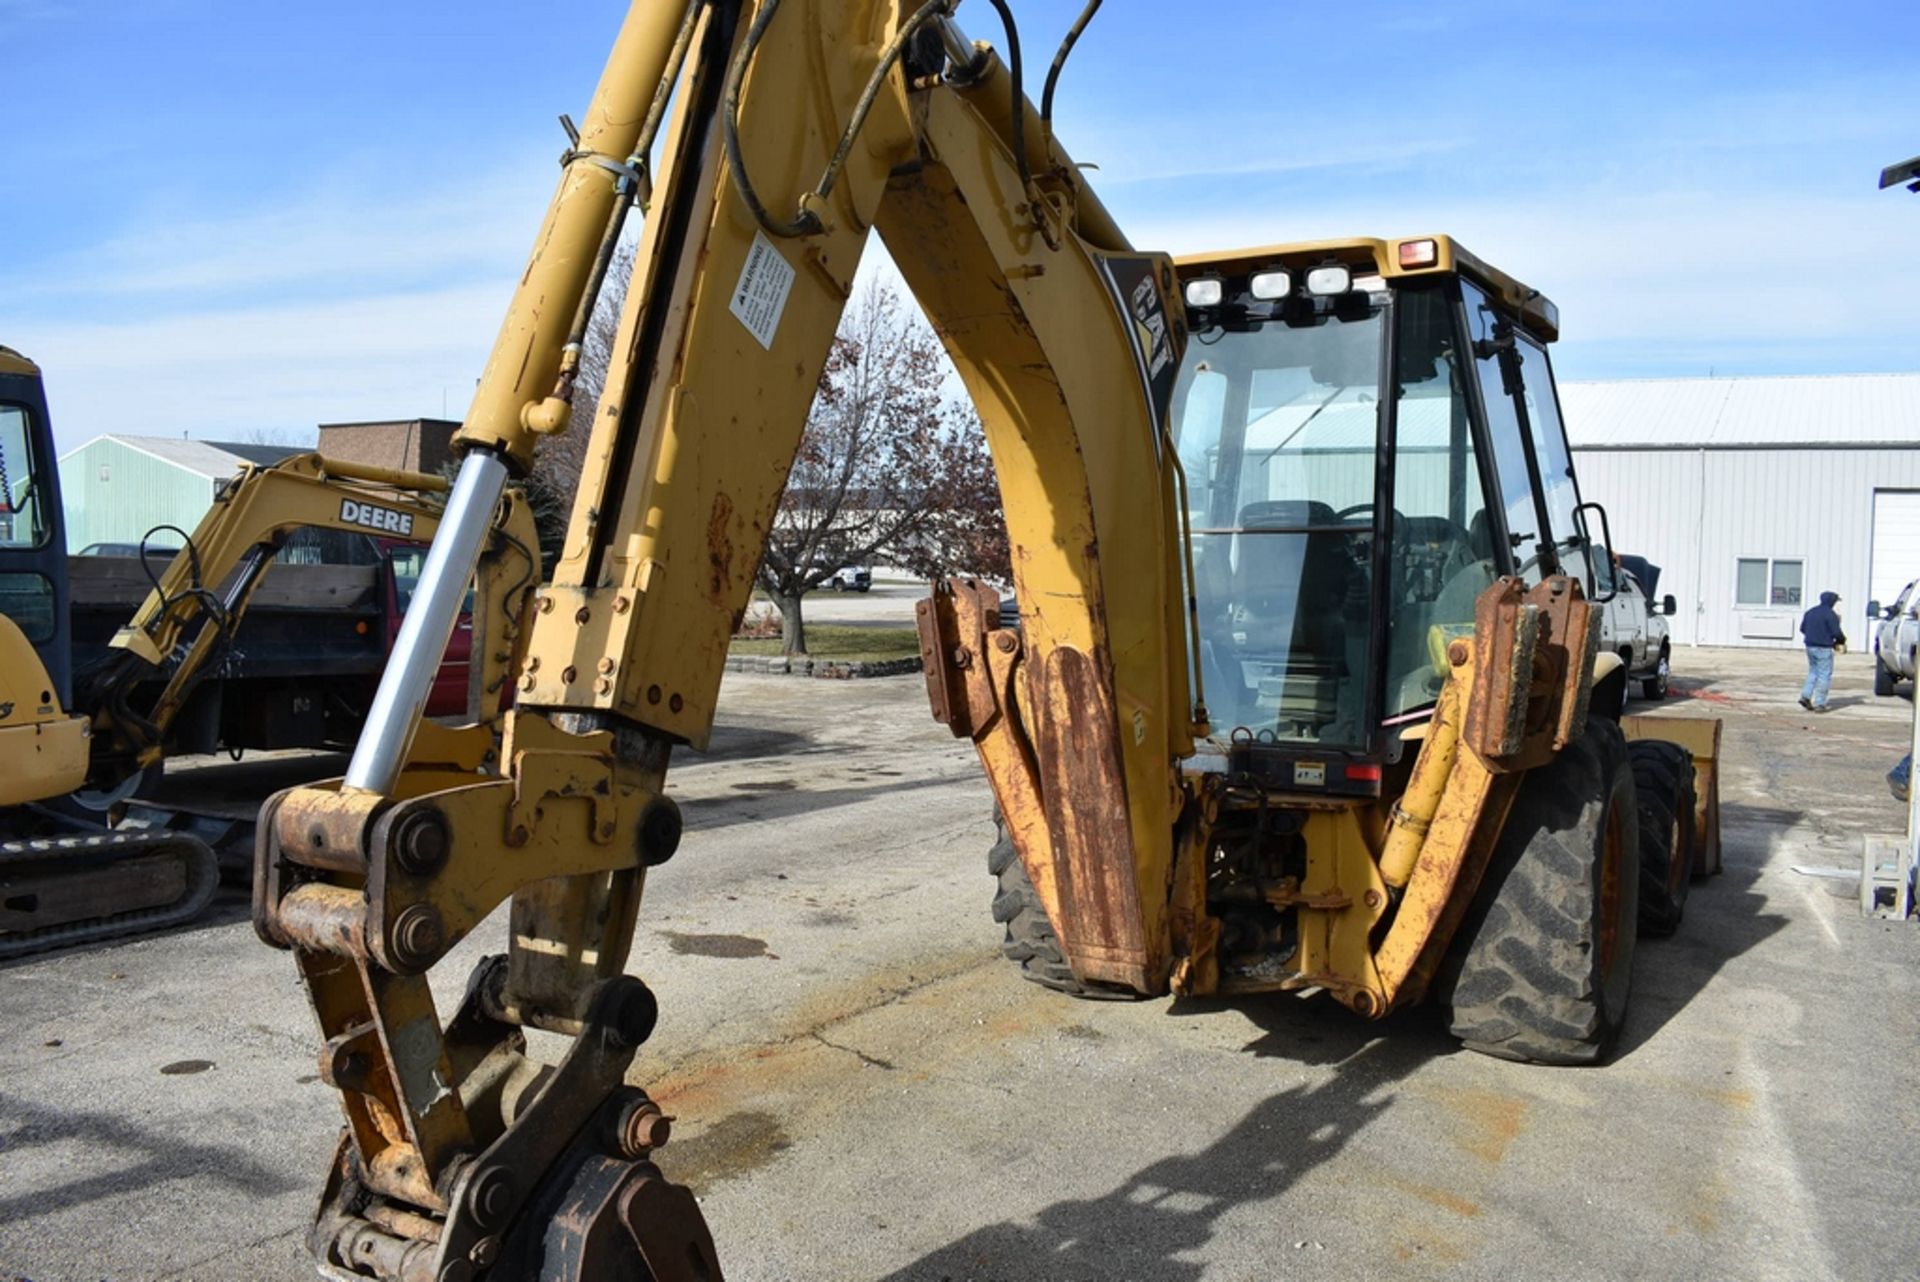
[
  {"x": 1894, "y": 640},
  {"x": 1634, "y": 626}
]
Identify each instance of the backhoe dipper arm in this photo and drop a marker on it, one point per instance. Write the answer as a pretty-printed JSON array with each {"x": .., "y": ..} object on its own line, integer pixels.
[
  {"x": 200, "y": 598},
  {"x": 798, "y": 128}
]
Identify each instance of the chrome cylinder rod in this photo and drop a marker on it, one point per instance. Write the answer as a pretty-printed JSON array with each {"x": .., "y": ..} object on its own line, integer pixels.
[{"x": 428, "y": 624}]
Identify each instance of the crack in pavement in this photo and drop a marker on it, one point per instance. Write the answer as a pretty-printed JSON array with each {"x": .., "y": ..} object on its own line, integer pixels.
[{"x": 871, "y": 1061}]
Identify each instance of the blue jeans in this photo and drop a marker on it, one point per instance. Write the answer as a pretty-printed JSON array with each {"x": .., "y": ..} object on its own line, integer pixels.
[{"x": 1819, "y": 674}]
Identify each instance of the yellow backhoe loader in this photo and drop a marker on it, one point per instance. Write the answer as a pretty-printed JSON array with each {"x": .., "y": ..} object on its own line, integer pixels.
[
  {"x": 1298, "y": 697},
  {"x": 74, "y": 747}
]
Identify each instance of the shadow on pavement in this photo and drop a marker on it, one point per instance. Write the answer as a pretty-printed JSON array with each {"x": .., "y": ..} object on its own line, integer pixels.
[
  {"x": 1169, "y": 1207},
  {"x": 1725, "y": 917},
  {"x": 703, "y": 814},
  {"x": 140, "y": 1159}
]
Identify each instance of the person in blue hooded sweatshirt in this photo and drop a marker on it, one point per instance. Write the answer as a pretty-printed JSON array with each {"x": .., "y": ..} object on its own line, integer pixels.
[{"x": 1821, "y": 628}]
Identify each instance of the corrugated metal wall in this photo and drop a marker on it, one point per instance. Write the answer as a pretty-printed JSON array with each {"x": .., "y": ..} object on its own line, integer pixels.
[
  {"x": 115, "y": 494},
  {"x": 1695, "y": 513}
]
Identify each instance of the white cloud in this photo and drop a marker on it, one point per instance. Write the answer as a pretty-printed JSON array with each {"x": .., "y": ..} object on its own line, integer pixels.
[
  {"x": 221, "y": 373},
  {"x": 1710, "y": 269},
  {"x": 346, "y": 230}
]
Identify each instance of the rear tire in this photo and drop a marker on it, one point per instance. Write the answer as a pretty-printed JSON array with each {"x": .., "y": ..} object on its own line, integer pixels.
[
  {"x": 1884, "y": 682},
  {"x": 1543, "y": 963},
  {"x": 1030, "y": 942},
  {"x": 1664, "y": 787}
]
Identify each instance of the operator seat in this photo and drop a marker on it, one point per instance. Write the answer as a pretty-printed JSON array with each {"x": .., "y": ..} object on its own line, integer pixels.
[{"x": 1289, "y": 587}]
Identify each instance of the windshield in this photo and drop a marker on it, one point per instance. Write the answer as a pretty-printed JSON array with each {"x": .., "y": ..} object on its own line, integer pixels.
[{"x": 1277, "y": 424}]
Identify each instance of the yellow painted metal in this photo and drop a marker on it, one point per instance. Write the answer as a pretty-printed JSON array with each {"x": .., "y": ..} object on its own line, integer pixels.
[
  {"x": 1035, "y": 337},
  {"x": 1340, "y": 901},
  {"x": 526, "y": 355},
  {"x": 1414, "y": 812},
  {"x": 1382, "y": 258},
  {"x": 44, "y": 750},
  {"x": 1432, "y": 882},
  {"x": 12, "y": 362}
]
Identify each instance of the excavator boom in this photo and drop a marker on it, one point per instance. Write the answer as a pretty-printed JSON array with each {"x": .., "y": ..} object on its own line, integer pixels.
[{"x": 65, "y": 876}]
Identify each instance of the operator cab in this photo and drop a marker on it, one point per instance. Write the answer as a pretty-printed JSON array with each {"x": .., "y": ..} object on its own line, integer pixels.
[
  {"x": 33, "y": 542},
  {"x": 1371, "y": 437}
]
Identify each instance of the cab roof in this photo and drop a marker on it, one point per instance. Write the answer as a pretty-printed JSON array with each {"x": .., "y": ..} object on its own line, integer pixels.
[
  {"x": 12, "y": 362},
  {"x": 1383, "y": 258}
]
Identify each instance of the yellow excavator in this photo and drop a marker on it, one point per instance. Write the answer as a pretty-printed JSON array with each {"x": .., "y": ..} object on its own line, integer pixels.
[
  {"x": 75, "y": 746},
  {"x": 1302, "y": 693}
]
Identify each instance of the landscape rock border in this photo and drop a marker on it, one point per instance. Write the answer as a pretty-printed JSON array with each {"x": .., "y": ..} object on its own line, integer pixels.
[{"x": 781, "y": 665}]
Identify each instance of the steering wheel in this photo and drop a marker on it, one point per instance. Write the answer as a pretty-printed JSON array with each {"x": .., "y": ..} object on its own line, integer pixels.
[{"x": 1346, "y": 512}]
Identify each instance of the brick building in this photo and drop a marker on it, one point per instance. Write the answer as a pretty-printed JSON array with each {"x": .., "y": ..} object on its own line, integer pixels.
[{"x": 413, "y": 444}]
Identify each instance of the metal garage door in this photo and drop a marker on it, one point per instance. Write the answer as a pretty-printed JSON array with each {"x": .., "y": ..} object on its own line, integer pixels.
[{"x": 1896, "y": 543}]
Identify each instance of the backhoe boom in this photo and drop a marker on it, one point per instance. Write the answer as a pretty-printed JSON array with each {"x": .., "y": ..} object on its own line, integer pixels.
[{"x": 799, "y": 127}]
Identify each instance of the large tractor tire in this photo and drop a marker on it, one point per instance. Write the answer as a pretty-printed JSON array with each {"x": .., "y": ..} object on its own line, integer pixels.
[
  {"x": 1030, "y": 942},
  {"x": 1664, "y": 789},
  {"x": 1541, "y": 966}
]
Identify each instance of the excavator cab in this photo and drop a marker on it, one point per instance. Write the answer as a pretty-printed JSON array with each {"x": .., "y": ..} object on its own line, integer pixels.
[
  {"x": 33, "y": 544},
  {"x": 1371, "y": 439}
]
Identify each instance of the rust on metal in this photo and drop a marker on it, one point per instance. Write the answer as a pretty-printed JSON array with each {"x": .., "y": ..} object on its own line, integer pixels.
[
  {"x": 325, "y": 919},
  {"x": 1083, "y": 787},
  {"x": 669, "y": 1229},
  {"x": 325, "y": 828},
  {"x": 720, "y": 550},
  {"x": 1504, "y": 637},
  {"x": 954, "y": 624},
  {"x": 348, "y": 1060},
  {"x": 1568, "y": 645}
]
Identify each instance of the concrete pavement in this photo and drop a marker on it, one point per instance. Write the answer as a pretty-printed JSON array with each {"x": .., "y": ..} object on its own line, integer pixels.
[{"x": 865, "y": 1091}]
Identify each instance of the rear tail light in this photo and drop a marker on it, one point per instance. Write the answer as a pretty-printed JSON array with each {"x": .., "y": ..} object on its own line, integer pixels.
[
  {"x": 1364, "y": 772},
  {"x": 1419, "y": 253}
]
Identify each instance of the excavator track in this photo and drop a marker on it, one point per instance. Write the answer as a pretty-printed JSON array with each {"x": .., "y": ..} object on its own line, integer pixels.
[{"x": 56, "y": 892}]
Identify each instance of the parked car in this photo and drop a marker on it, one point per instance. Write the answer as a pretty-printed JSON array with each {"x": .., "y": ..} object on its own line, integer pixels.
[
  {"x": 1894, "y": 639},
  {"x": 1634, "y": 626},
  {"x": 852, "y": 578}
]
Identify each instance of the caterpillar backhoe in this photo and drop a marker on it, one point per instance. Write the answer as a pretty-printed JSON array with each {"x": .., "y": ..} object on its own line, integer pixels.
[
  {"x": 1298, "y": 696},
  {"x": 76, "y": 745}
]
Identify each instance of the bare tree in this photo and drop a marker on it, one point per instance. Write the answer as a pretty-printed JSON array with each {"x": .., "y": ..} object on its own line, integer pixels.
[
  {"x": 293, "y": 438},
  {"x": 888, "y": 467}
]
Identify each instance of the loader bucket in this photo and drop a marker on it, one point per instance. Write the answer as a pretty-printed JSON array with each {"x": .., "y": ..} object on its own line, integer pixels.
[{"x": 1701, "y": 737}]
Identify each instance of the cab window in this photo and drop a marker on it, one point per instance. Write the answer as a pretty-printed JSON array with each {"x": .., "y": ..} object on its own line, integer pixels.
[
  {"x": 27, "y": 599},
  {"x": 1443, "y": 550},
  {"x": 22, "y": 521},
  {"x": 1556, "y": 464},
  {"x": 1511, "y": 467}
]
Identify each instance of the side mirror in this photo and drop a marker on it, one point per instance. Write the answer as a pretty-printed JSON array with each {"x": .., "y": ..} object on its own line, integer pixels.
[
  {"x": 1668, "y": 605},
  {"x": 1873, "y": 609}
]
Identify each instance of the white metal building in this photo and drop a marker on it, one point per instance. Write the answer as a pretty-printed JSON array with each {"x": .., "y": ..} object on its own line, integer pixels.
[
  {"x": 1754, "y": 495},
  {"x": 118, "y": 487}
]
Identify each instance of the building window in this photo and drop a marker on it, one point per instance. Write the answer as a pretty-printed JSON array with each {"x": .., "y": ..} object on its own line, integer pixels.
[{"x": 1760, "y": 583}]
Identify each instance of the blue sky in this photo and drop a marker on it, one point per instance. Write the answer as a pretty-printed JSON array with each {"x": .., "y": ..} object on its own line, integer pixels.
[{"x": 223, "y": 216}]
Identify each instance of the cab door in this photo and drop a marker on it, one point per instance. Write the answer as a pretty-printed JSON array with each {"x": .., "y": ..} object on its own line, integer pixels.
[{"x": 33, "y": 537}]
